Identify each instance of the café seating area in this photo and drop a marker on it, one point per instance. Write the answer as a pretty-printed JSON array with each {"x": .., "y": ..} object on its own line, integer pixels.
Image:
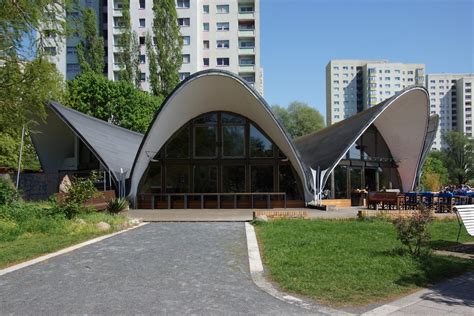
[{"x": 438, "y": 202}]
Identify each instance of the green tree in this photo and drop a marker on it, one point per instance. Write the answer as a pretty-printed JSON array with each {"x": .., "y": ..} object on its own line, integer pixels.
[
  {"x": 116, "y": 101},
  {"x": 22, "y": 103},
  {"x": 129, "y": 56},
  {"x": 434, "y": 172},
  {"x": 90, "y": 50},
  {"x": 27, "y": 79},
  {"x": 459, "y": 157},
  {"x": 153, "y": 67},
  {"x": 168, "y": 45},
  {"x": 299, "y": 118}
]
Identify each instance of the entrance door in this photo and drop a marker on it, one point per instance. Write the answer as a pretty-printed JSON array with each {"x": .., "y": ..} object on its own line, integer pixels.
[{"x": 371, "y": 179}]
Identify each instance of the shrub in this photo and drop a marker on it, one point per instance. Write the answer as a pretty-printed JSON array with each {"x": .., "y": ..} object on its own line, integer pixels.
[
  {"x": 80, "y": 190},
  {"x": 8, "y": 193},
  {"x": 9, "y": 230},
  {"x": 117, "y": 205},
  {"x": 21, "y": 212},
  {"x": 413, "y": 230}
]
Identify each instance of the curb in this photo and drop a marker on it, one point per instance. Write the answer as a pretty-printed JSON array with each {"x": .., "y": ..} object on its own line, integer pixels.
[
  {"x": 63, "y": 251},
  {"x": 258, "y": 277}
]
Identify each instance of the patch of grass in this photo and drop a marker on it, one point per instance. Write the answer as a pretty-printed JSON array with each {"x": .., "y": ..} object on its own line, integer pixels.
[
  {"x": 444, "y": 233},
  {"x": 351, "y": 263},
  {"x": 29, "y": 230}
]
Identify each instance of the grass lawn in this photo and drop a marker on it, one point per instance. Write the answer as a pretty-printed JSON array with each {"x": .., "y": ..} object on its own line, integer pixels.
[
  {"x": 352, "y": 263},
  {"x": 26, "y": 236}
]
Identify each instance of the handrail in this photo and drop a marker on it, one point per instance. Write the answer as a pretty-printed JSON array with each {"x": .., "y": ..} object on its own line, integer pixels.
[{"x": 202, "y": 195}]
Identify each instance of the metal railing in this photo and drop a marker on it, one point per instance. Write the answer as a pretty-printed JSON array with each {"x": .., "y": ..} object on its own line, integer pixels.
[{"x": 201, "y": 196}]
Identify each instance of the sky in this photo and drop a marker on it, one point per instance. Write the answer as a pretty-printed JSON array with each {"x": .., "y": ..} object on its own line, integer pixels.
[{"x": 299, "y": 38}]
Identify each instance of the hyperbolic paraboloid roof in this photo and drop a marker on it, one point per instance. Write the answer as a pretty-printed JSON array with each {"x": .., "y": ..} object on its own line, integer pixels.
[
  {"x": 401, "y": 120},
  {"x": 114, "y": 146}
]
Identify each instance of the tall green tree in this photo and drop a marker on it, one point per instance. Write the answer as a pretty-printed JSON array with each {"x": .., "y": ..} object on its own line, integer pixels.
[
  {"x": 90, "y": 50},
  {"x": 27, "y": 79},
  {"x": 168, "y": 45},
  {"x": 118, "y": 102},
  {"x": 459, "y": 157},
  {"x": 154, "y": 78},
  {"x": 129, "y": 56},
  {"x": 299, "y": 118},
  {"x": 27, "y": 86}
]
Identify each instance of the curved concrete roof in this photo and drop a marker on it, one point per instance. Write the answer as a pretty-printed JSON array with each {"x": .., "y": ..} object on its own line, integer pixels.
[
  {"x": 402, "y": 120},
  {"x": 115, "y": 147},
  {"x": 203, "y": 92}
]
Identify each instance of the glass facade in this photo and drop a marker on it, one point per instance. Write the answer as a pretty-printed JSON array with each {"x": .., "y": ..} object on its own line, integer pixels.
[
  {"x": 368, "y": 165},
  {"x": 220, "y": 152}
]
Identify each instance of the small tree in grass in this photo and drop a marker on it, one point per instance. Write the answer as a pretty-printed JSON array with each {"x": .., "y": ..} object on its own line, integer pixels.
[{"x": 413, "y": 230}]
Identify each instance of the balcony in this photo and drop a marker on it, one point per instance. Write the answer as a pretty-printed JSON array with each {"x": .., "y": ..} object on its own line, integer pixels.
[
  {"x": 246, "y": 64},
  {"x": 246, "y": 28},
  {"x": 246, "y": 15},
  {"x": 246, "y": 50},
  {"x": 246, "y": 32}
]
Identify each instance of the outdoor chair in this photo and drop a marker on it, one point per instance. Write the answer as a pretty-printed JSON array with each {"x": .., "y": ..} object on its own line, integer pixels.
[
  {"x": 411, "y": 200},
  {"x": 445, "y": 202},
  {"x": 427, "y": 198},
  {"x": 465, "y": 214}
]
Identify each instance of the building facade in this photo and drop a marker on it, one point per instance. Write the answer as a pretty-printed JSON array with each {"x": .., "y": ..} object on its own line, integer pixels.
[
  {"x": 215, "y": 143},
  {"x": 222, "y": 34},
  {"x": 355, "y": 85},
  {"x": 451, "y": 99}
]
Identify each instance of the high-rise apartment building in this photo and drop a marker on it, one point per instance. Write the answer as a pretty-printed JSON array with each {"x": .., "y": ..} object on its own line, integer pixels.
[
  {"x": 451, "y": 99},
  {"x": 355, "y": 85},
  {"x": 222, "y": 34}
]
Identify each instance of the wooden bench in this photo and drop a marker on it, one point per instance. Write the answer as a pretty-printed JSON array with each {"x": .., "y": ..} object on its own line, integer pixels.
[
  {"x": 465, "y": 214},
  {"x": 98, "y": 202},
  {"x": 386, "y": 198}
]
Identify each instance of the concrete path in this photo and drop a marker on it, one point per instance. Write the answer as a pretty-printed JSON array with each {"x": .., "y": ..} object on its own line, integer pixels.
[
  {"x": 160, "y": 268},
  {"x": 452, "y": 297},
  {"x": 226, "y": 215},
  {"x": 192, "y": 215}
]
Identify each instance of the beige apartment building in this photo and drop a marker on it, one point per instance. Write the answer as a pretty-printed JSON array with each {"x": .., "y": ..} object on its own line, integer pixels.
[
  {"x": 355, "y": 85},
  {"x": 451, "y": 99},
  {"x": 219, "y": 34}
]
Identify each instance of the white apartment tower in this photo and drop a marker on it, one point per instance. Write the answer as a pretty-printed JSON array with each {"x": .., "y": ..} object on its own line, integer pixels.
[
  {"x": 355, "y": 85},
  {"x": 451, "y": 99},
  {"x": 222, "y": 34}
]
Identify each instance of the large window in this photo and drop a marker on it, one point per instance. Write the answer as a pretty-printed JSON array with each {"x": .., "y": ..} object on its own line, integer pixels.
[
  {"x": 177, "y": 178},
  {"x": 178, "y": 145},
  {"x": 233, "y": 141},
  {"x": 220, "y": 152},
  {"x": 205, "y": 178},
  {"x": 260, "y": 146},
  {"x": 287, "y": 182},
  {"x": 233, "y": 178},
  {"x": 153, "y": 179},
  {"x": 340, "y": 182},
  {"x": 261, "y": 178},
  {"x": 205, "y": 138}
]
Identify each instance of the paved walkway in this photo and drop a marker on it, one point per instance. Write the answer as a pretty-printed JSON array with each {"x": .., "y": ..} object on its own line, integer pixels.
[
  {"x": 452, "y": 297},
  {"x": 226, "y": 215},
  {"x": 160, "y": 268}
]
